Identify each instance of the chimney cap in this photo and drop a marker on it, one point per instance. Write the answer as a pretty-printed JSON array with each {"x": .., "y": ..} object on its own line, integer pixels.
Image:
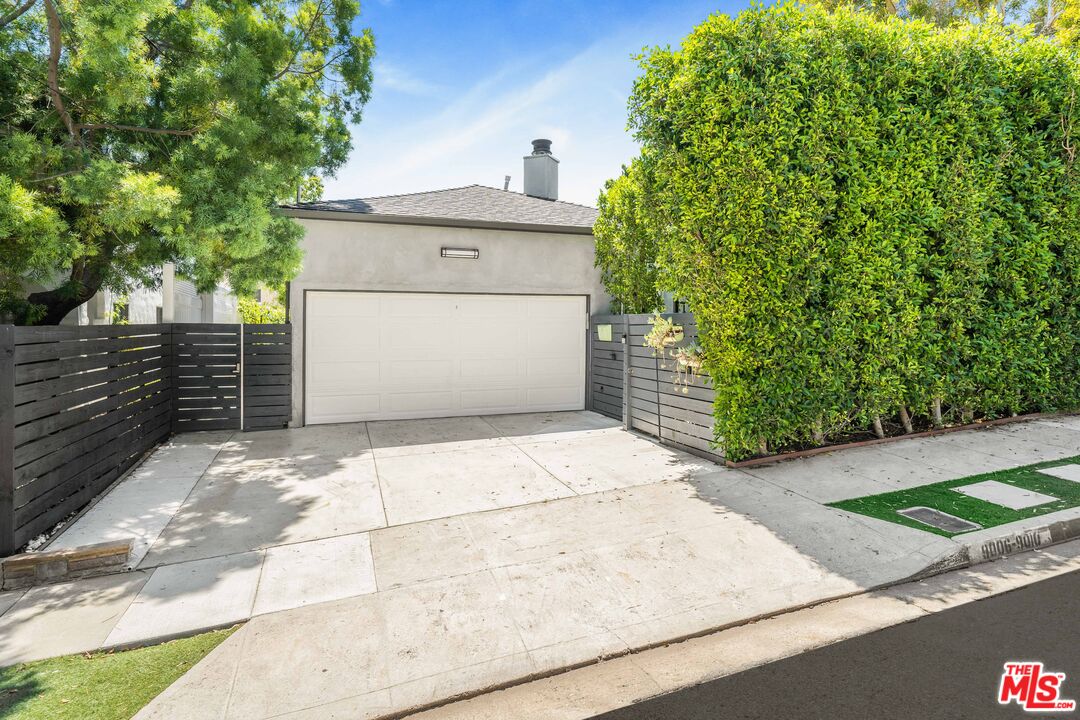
[{"x": 541, "y": 147}]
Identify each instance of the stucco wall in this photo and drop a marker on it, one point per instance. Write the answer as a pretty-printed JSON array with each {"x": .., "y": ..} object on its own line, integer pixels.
[{"x": 344, "y": 255}]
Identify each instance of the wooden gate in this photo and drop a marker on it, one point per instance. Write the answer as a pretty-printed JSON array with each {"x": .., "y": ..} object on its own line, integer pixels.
[{"x": 633, "y": 383}]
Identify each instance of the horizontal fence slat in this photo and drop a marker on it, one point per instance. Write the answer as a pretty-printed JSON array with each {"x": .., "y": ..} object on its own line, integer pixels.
[
  {"x": 268, "y": 390},
  {"x": 265, "y": 411},
  {"x": 57, "y": 351}
]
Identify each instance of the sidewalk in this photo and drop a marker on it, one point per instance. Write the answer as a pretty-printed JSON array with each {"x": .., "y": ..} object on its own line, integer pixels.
[
  {"x": 596, "y": 544},
  {"x": 607, "y": 686}
]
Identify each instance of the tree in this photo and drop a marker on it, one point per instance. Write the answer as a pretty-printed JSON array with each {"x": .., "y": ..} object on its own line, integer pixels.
[
  {"x": 875, "y": 221},
  {"x": 138, "y": 132},
  {"x": 627, "y": 241},
  {"x": 941, "y": 12}
]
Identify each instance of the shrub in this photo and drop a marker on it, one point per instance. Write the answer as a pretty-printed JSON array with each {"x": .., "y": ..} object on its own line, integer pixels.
[
  {"x": 253, "y": 312},
  {"x": 868, "y": 217},
  {"x": 627, "y": 242}
]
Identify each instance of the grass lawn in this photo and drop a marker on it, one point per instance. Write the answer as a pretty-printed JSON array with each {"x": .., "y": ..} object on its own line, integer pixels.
[
  {"x": 100, "y": 686},
  {"x": 941, "y": 496}
]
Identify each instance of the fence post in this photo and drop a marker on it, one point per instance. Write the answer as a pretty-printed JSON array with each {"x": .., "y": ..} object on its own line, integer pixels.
[
  {"x": 241, "y": 380},
  {"x": 7, "y": 440},
  {"x": 626, "y": 372},
  {"x": 174, "y": 383}
]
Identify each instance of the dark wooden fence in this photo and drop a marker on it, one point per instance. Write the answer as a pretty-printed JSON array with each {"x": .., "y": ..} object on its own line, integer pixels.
[
  {"x": 80, "y": 405},
  {"x": 632, "y": 383},
  {"x": 267, "y": 368},
  {"x": 206, "y": 377}
]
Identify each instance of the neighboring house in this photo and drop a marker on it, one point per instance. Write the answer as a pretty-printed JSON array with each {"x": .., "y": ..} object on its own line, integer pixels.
[
  {"x": 463, "y": 301},
  {"x": 176, "y": 300}
]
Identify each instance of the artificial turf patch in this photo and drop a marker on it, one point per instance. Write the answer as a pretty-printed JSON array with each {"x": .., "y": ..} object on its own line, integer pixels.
[
  {"x": 99, "y": 686},
  {"x": 941, "y": 496}
]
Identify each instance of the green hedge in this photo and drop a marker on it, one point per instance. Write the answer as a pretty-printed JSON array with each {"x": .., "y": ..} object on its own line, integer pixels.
[{"x": 867, "y": 215}]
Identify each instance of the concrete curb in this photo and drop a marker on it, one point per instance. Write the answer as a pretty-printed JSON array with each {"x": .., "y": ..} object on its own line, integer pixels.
[{"x": 968, "y": 555}]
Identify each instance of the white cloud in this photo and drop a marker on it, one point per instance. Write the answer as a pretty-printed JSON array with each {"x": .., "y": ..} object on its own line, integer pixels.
[
  {"x": 482, "y": 135},
  {"x": 394, "y": 78}
]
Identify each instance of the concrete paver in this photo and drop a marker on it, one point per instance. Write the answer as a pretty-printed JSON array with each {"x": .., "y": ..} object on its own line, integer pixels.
[
  {"x": 394, "y": 438},
  {"x": 1065, "y": 472},
  {"x": 610, "y": 461},
  {"x": 261, "y": 505},
  {"x": 315, "y": 571},
  {"x": 65, "y": 618},
  {"x": 1009, "y": 496},
  {"x": 435, "y": 485},
  {"x": 319, "y": 444},
  {"x": 140, "y": 506},
  {"x": 190, "y": 596},
  {"x": 527, "y": 428}
]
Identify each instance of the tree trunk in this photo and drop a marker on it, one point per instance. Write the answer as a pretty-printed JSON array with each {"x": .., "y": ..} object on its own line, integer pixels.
[
  {"x": 878, "y": 429},
  {"x": 905, "y": 420},
  {"x": 937, "y": 413},
  {"x": 84, "y": 283}
]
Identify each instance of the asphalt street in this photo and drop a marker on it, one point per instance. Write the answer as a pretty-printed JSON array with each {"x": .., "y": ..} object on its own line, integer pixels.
[{"x": 947, "y": 665}]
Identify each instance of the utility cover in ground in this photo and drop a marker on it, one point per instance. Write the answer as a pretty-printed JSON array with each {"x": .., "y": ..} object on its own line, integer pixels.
[{"x": 938, "y": 519}]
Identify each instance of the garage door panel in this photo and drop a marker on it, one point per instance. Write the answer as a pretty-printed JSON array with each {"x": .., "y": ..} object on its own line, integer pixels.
[
  {"x": 343, "y": 304},
  {"x": 552, "y": 398},
  {"x": 413, "y": 305},
  {"x": 554, "y": 307},
  {"x": 553, "y": 340},
  {"x": 492, "y": 368},
  {"x": 337, "y": 334},
  {"x": 415, "y": 335},
  {"x": 419, "y": 371},
  {"x": 420, "y": 402},
  {"x": 342, "y": 408},
  {"x": 334, "y": 377},
  {"x": 564, "y": 368},
  {"x": 412, "y": 355},
  {"x": 491, "y": 307},
  {"x": 491, "y": 400}
]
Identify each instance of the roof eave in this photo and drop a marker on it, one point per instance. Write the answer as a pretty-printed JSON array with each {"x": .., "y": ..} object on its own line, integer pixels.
[{"x": 348, "y": 216}]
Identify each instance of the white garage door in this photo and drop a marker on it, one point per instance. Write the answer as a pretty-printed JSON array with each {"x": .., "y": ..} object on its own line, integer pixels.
[{"x": 377, "y": 356}]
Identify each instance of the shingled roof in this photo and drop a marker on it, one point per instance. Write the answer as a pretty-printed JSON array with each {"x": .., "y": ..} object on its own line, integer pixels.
[{"x": 472, "y": 204}]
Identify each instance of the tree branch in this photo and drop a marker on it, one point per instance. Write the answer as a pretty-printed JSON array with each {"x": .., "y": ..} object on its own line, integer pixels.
[
  {"x": 55, "y": 47},
  {"x": 325, "y": 65},
  {"x": 135, "y": 128},
  {"x": 1051, "y": 18},
  {"x": 47, "y": 178},
  {"x": 296, "y": 53},
  {"x": 16, "y": 13}
]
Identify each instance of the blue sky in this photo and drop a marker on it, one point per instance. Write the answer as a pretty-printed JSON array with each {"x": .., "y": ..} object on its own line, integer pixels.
[{"x": 462, "y": 87}]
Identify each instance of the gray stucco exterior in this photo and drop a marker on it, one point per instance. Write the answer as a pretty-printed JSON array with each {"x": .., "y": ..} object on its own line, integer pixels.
[{"x": 354, "y": 253}]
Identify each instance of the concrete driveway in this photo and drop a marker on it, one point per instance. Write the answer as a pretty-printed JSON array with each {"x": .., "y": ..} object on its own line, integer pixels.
[
  {"x": 390, "y": 565},
  {"x": 293, "y": 486}
]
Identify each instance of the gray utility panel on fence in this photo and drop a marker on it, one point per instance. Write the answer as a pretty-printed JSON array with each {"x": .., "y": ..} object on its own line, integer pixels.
[
  {"x": 81, "y": 405},
  {"x": 634, "y": 384}
]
